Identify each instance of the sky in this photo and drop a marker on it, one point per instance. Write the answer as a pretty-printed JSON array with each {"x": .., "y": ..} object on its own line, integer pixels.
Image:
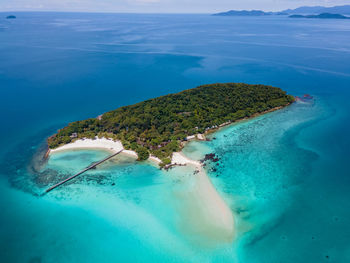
[{"x": 159, "y": 6}]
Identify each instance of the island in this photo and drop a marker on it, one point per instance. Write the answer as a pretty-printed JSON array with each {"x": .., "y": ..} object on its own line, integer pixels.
[
  {"x": 299, "y": 12},
  {"x": 243, "y": 13},
  {"x": 159, "y": 127},
  {"x": 308, "y": 10},
  {"x": 322, "y": 16},
  {"x": 11, "y": 17}
]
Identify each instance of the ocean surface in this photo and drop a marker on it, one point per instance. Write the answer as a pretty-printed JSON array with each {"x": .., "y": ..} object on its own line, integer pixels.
[{"x": 285, "y": 175}]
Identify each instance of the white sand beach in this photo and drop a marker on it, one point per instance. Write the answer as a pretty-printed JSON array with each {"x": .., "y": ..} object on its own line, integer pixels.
[
  {"x": 213, "y": 208},
  {"x": 154, "y": 159},
  {"x": 130, "y": 153},
  {"x": 181, "y": 159},
  {"x": 203, "y": 211},
  {"x": 99, "y": 143}
]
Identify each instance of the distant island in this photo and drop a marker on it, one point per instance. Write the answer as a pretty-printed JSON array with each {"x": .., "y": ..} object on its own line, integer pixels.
[
  {"x": 308, "y": 10},
  {"x": 304, "y": 10},
  {"x": 243, "y": 13},
  {"x": 161, "y": 125},
  {"x": 11, "y": 17},
  {"x": 322, "y": 16}
]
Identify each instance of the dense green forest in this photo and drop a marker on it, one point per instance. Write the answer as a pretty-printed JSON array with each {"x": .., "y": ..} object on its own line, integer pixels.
[{"x": 158, "y": 126}]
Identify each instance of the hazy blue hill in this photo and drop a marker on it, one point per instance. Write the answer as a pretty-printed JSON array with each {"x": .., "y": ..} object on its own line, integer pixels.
[
  {"x": 345, "y": 9},
  {"x": 322, "y": 16},
  {"x": 305, "y": 10},
  {"x": 11, "y": 17},
  {"x": 243, "y": 13}
]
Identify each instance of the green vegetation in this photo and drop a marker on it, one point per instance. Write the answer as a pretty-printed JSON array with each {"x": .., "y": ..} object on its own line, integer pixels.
[
  {"x": 158, "y": 126},
  {"x": 142, "y": 153}
]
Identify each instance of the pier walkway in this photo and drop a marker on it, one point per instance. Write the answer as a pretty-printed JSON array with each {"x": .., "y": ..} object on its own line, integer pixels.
[{"x": 81, "y": 172}]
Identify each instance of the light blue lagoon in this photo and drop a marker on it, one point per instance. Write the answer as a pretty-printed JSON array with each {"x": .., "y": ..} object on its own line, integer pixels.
[{"x": 284, "y": 175}]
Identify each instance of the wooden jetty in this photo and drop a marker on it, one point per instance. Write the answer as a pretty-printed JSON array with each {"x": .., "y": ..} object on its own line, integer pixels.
[{"x": 81, "y": 172}]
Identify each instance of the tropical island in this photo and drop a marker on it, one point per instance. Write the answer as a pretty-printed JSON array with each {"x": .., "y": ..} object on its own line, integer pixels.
[
  {"x": 159, "y": 127},
  {"x": 11, "y": 17},
  {"x": 322, "y": 16}
]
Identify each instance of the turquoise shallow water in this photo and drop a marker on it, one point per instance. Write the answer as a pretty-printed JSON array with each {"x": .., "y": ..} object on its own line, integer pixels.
[{"x": 284, "y": 175}]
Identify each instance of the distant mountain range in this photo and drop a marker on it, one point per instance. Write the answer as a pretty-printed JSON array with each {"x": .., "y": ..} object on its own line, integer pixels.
[
  {"x": 323, "y": 16},
  {"x": 344, "y": 10},
  {"x": 309, "y": 10}
]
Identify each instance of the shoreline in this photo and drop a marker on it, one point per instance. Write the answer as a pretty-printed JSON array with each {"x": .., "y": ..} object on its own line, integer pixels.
[
  {"x": 223, "y": 125},
  {"x": 113, "y": 147},
  {"x": 177, "y": 158},
  {"x": 202, "y": 137},
  {"x": 93, "y": 144}
]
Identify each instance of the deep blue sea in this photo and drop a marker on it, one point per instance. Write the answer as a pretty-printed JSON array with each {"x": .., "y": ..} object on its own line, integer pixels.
[{"x": 285, "y": 175}]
